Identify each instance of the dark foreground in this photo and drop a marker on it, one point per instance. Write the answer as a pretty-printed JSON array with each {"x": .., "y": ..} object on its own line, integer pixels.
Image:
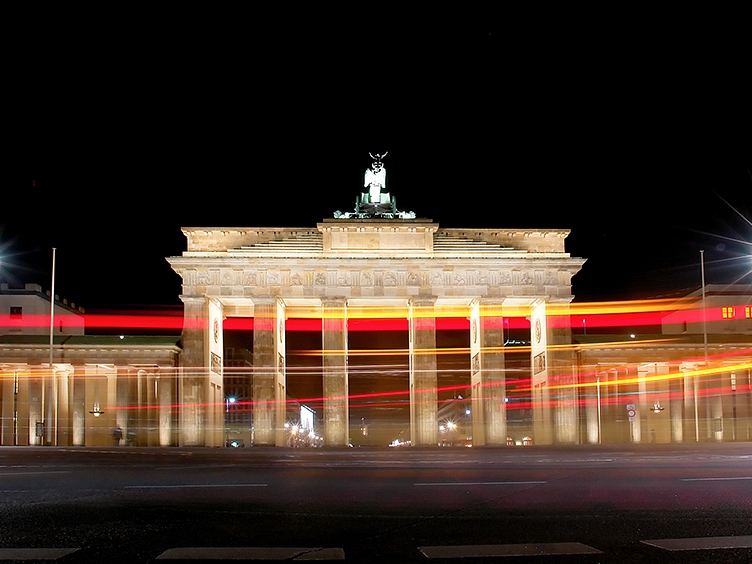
[{"x": 632, "y": 504}]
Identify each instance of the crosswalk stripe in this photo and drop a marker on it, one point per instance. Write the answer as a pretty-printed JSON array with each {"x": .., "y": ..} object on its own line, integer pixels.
[
  {"x": 526, "y": 482},
  {"x": 702, "y": 543},
  {"x": 531, "y": 549},
  {"x": 35, "y": 553},
  {"x": 252, "y": 553}
]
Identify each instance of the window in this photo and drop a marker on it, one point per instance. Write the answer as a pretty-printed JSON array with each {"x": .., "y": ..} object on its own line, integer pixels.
[
  {"x": 748, "y": 312},
  {"x": 16, "y": 311},
  {"x": 728, "y": 312}
]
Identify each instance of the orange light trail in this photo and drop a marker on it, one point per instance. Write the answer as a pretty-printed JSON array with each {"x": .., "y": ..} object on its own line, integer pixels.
[{"x": 628, "y": 313}]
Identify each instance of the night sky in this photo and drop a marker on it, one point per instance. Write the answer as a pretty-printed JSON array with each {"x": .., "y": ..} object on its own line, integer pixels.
[{"x": 637, "y": 143}]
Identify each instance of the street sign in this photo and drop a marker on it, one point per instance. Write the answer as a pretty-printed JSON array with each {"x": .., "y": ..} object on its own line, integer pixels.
[{"x": 631, "y": 413}]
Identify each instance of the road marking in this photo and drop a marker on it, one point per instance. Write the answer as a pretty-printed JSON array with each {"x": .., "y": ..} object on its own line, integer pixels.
[
  {"x": 702, "y": 543},
  {"x": 252, "y": 553},
  {"x": 477, "y": 483},
  {"x": 35, "y": 553},
  {"x": 34, "y": 473},
  {"x": 716, "y": 479},
  {"x": 178, "y": 486},
  {"x": 532, "y": 549}
]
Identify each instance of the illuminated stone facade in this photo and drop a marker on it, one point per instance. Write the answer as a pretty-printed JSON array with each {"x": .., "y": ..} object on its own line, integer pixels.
[
  {"x": 692, "y": 382},
  {"x": 347, "y": 265},
  {"x": 75, "y": 390}
]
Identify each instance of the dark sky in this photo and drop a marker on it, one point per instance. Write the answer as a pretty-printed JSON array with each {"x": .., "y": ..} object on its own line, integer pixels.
[{"x": 634, "y": 138}]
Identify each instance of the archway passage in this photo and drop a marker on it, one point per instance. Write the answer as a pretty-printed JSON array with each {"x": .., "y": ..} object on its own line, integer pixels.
[
  {"x": 378, "y": 374},
  {"x": 454, "y": 395}
]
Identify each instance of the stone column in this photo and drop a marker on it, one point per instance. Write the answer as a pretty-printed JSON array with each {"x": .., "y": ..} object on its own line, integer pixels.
[
  {"x": 35, "y": 403},
  {"x": 539, "y": 377},
  {"x": 423, "y": 378},
  {"x": 715, "y": 406},
  {"x": 266, "y": 400},
  {"x": 165, "y": 399},
  {"x": 214, "y": 434},
  {"x": 593, "y": 414},
  {"x": 336, "y": 389},
  {"x": 194, "y": 370},
  {"x": 142, "y": 401},
  {"x": 476, "y": 378},
  {"x": 280, "y": 351},
  {"x": 78, "y": 407},
  {"x": 152, "y": 401},
  {"x": 492, "y": 369},
  {"x": 676, "y": 405},
  {"x": 689, "y": 387},
  {"x": 63, "y": 423},
  {"x": 563, "y": 372},
  {"x": 554, "y": 376}
]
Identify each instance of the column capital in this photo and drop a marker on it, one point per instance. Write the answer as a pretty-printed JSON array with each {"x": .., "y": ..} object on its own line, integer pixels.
[
  {"x": 333, "y": 301},
  {"x": 264, "y": 300},
  {"x": 192, "y": 299},
  {"x": 423, "y": 300}
]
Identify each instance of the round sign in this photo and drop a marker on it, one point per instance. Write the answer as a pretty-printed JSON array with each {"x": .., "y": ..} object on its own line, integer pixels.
[{"x": 631, "y": 412}]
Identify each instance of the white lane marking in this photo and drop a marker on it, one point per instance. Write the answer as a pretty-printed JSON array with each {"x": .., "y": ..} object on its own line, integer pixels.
[
  {"x": 716, "y": 479},
  {"x": 35, "y": 553},
  {"x": 178, "y": 486},
  {"x": 252, "y": 553},
  {"x": 34, "y": 473},
  {"x": 478, "y": 483},
  {"x": 702, "y": 543},
  {"x": 531, "y": 549}
]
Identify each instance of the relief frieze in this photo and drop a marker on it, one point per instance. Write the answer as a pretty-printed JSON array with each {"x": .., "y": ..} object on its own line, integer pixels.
[
  {"x": 413, "y": 279},
  {"x": 390, "y": 279},
  {"x": 374, "y": 278},
  {"x": 552, "y": 278},
  {"x": 366, "y": 278}
]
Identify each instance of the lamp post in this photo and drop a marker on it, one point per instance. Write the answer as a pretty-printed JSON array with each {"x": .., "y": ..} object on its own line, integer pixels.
[
  {"x": 51, "y": 427},
  {"x": 228, "y": 401},
  {"x": 704, "y": 342},
  {"x": 704, "y": 315}
]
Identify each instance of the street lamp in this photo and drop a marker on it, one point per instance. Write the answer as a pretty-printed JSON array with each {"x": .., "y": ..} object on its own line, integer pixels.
[
  {"x": 704, "y": 314},
  {"x": 704, "y": 341},
  {"x": 52, "y": 380},
  {"x": 228, "y": 401}
]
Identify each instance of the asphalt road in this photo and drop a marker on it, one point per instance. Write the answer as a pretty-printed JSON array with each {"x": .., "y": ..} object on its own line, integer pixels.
[{"x": 629, "y": 504}]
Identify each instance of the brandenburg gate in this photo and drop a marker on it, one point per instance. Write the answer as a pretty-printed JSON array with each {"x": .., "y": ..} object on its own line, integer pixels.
[{"x": 373, "y": 258}]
